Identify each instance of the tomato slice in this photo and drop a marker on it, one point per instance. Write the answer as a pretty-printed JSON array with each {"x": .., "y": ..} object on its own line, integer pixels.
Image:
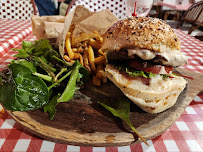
[{"x": 148, "y": 67}]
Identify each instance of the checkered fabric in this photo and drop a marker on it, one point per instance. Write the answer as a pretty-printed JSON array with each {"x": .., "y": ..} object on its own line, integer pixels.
[
  {"x": 193, "y": 49},
  {"x": 115, "y": 6},
  {"x": 12, "y": 32},
  {"x": 16, "y": 9},
  {"x": 185, "y": 135}
]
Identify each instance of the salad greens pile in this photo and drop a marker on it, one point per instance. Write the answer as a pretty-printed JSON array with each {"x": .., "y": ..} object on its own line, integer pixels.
[{"x": 32, "y": 78}]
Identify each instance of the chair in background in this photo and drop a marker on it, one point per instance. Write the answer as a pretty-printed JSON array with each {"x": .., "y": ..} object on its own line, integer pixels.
[
  {"x": 18, "y": 9},
  {"x": 181, "y": 5},
  {"x": 117, "y": 7},
  {"x": 194, "y": 16},
  {"x": 169, "y": 11},
  {"x": 155, "y": 10},
  {"x": 63, "y": 8}
]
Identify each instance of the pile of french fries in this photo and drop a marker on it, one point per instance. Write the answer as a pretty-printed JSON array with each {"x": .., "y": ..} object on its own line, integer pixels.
[{"x": 86, "y": 49}]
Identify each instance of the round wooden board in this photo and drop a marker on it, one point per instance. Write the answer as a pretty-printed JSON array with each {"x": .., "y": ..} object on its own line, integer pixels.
[{"x": 84, "y": 122}]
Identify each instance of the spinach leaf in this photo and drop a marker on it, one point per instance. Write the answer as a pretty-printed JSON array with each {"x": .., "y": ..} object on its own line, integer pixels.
[
  {"x": 121, "y": 109},
  {"x": 7, "y": 98},
  {"x": 50, "y": 107},
  {"x": 31, "y": 66},
  {"x": 26, "y": 91}
]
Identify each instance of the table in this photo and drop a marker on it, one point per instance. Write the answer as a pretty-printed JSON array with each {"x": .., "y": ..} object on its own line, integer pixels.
[
  {"x": 178, "y": 7},
  {"x": 186, "y": 134},
  {"x": 12, "y": 32}
]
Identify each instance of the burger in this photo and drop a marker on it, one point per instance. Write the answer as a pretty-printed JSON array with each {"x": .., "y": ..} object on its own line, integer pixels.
[{"x": 141, "y": 54}]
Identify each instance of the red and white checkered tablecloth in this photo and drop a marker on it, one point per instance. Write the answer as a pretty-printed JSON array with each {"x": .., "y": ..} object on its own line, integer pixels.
[
  {"x": 185, "y": 135},
  {"x": 12, "y": 32}
]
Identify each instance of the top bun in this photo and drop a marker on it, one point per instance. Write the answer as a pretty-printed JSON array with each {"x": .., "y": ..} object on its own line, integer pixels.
[{"x": 142, "y": 32}]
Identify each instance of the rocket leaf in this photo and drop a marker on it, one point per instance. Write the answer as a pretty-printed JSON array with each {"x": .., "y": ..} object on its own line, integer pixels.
[
  {"x": 50, "y": 107},
  {"x": 121, "y": 109}
]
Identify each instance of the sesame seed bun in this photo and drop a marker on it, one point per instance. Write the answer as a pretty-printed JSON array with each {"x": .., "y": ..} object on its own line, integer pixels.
[{"x": 142, "y": 32}]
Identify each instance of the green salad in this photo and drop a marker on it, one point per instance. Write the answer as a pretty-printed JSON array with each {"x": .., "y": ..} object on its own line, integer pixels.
[{"x": 32, "y": 78}]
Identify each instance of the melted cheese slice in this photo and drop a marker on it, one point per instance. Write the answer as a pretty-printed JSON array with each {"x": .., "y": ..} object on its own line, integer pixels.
[{"x": 169, "y": 58}]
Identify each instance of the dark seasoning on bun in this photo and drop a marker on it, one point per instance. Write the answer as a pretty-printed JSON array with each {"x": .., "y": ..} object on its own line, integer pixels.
[{"x": 141, "y": 54}]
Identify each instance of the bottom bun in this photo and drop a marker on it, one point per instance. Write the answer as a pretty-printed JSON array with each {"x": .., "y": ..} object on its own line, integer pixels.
[{"x": 156, "y": 97}]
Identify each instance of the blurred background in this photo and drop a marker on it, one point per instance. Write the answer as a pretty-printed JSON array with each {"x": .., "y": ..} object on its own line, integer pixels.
[{"x": 186, "y": 15}]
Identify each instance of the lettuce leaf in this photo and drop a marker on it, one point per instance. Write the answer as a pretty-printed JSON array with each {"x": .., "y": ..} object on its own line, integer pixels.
[{"x": 136, "y": 73}]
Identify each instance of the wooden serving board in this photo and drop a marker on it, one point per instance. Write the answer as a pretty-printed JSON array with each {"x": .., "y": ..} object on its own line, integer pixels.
[{"x": 84, "y": 122}]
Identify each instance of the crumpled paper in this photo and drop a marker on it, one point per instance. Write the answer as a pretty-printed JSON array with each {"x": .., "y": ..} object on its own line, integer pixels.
[
  {"x": 47, "y": 27},
  {"x": 86, "y": 21}
]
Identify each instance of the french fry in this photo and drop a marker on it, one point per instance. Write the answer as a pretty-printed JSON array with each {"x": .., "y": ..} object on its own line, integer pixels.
[
  {"x": 91, "y": 58},
  {"x": 86, "y": 37},
  {"x": 104, "y": 80},
  {"x": 100, "y": 72},
  {"x": 81, "y": 60},
  {"x": 68, "y": 46},
  {"x": 75, "y": 50},
  {"x": 100, "y": 60},
  {"x": 80, "y": 49},
  {"x": 96, "y": 81},
  {"x": 66, "y": 58},
  {"x": 100, "y": 52},
  {"x": 77, "y": 45},
  {"x": 76, "y": 55},
  {"x": 85, "y": 45},
  {"x": 98, "y": 38},
  {"x": 86, "y": 61},
  {"x": 72, "y": 61},
  {"x": 95, "y": 44}
]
